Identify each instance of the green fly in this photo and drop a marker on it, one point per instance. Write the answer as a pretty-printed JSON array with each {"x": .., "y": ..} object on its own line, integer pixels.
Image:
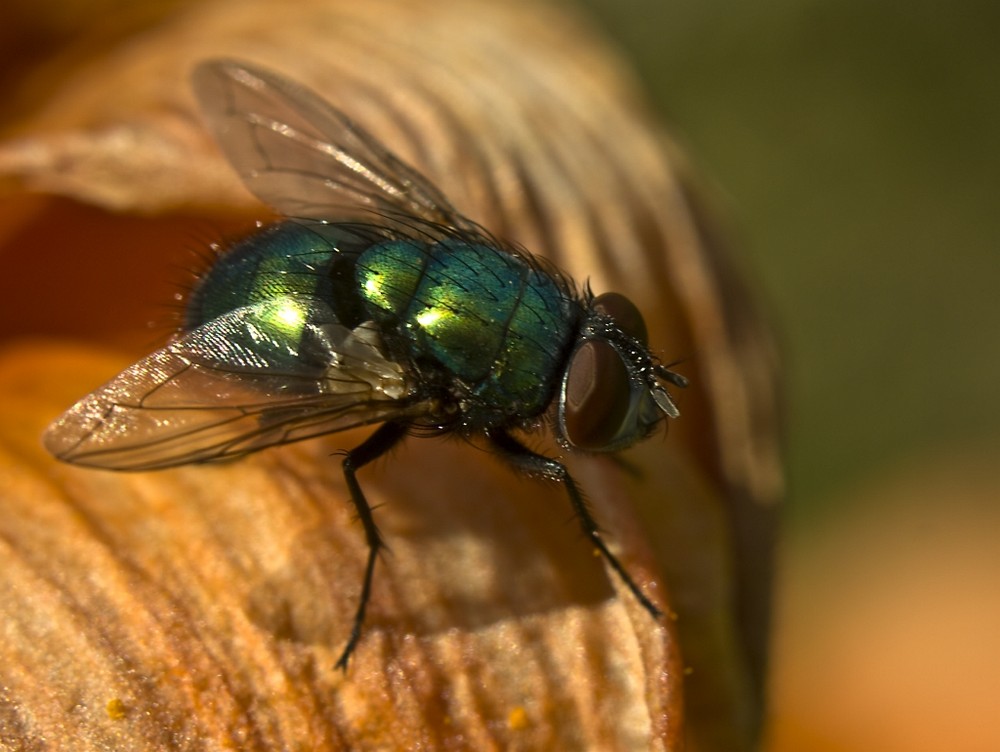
[{"x": 375, "y": 301}]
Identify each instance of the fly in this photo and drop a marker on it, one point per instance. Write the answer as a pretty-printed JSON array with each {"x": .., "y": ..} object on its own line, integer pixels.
[{"x": 375, "y": 301}]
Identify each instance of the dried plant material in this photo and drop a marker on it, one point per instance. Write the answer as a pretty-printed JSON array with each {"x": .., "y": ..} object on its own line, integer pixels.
[
  {"x": 217, "y": 598},
  {"x": 206, "y": 606}
]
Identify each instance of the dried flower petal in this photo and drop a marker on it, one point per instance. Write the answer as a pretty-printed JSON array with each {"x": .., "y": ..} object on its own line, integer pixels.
[{"x": 205, "y": 606}]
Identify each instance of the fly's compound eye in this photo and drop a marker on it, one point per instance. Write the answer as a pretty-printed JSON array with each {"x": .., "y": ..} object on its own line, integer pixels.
[
  {"x": 597, "y": 397},
  {"x": 610, "y": 397},
  {"x": 626, "y": 316}
]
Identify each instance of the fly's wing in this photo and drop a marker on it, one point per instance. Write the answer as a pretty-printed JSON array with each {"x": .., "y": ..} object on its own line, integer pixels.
[
  {"x": 305, "y": 158},
  {"x": 261, "y": 375}
]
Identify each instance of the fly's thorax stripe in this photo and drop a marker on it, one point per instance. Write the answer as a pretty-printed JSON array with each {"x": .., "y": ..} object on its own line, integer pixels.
[
  {"x": 460, "y": 312},
  {"x": 526, "y": 371}
]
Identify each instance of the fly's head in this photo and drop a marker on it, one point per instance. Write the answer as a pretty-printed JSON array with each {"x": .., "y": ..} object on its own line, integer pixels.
[{"x": 613, "y": 393}]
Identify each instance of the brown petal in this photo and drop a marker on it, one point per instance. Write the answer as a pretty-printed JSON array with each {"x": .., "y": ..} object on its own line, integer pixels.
[{"x": 205, "y": 606}]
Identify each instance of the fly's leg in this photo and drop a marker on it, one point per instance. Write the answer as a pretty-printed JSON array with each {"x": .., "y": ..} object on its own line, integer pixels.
[
  {"x": 536, "y": 464},
  {"x": 380, "y": 442}
]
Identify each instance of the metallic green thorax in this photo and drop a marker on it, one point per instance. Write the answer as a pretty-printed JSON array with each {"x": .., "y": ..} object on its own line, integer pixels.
[{"x": 494, "y": 323}]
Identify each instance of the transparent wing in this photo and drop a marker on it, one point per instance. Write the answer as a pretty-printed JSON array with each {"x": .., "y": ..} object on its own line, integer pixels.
[
  {"x": 305, "y": 158},
  {"x": 261, "y": 375}
]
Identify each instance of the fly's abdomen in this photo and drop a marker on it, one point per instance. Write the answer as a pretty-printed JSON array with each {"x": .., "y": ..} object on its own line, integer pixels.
[
  {"x": 283, "y": 259},
  {"x": 288, "y": 273},
  {"x": 488, "y": 319}
]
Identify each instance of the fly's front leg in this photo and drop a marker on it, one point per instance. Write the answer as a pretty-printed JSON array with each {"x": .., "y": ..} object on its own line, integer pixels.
[
  {"x": 536, "y": 464},
  {"x": 380, "y": 442}
]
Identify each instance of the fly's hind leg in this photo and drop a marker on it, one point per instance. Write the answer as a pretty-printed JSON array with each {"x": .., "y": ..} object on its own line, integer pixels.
[
  {"x": 536, "y": 464},
  {"x": 380, "y": 442}
]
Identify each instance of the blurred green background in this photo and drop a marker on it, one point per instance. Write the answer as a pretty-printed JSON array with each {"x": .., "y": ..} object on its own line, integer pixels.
[
  {"x": 855, "y": 143},
  {"x": 854, "y": 147}
]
